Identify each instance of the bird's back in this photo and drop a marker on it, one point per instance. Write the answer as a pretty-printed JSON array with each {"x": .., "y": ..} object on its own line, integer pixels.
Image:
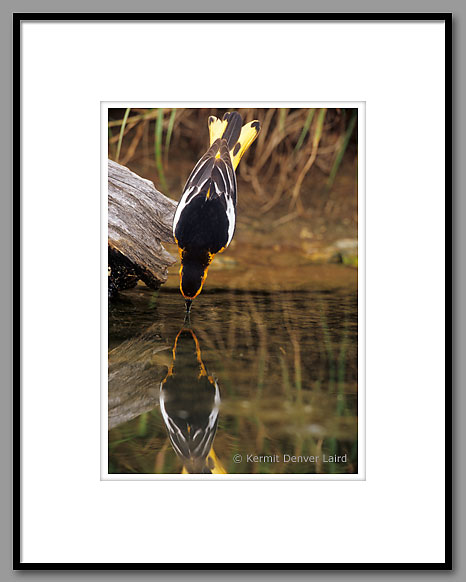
[{"x": 205, "y": 217}]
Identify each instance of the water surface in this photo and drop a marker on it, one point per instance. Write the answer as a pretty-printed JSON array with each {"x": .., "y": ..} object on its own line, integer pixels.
[{"x": 266, "y": 381}]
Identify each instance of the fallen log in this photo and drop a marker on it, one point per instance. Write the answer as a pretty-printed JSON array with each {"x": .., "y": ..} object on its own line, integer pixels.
[{"x": 139, "y": 221}]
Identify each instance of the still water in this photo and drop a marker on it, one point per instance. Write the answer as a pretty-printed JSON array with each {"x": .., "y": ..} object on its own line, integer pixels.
[{"x": 257, "y": 382}]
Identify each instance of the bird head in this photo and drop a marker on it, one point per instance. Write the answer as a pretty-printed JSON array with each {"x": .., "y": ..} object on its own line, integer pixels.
[{"x": 192, "y": 277}]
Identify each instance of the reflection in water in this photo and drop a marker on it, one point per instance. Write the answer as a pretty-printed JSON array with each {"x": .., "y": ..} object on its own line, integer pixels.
[
  {"x": 288, "y": 375},
  {"x": 189, "y": 402}
]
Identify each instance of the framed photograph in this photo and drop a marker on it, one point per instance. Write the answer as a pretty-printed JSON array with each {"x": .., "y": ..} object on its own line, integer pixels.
[
  {"x": 247, "y": 264},
  {"x": 261, "y": 356}
]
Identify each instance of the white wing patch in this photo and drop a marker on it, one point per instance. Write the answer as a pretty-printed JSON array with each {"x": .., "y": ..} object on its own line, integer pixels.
[
  {"x": 231, "y": 215},
  {"x": 182, "y": 205}
]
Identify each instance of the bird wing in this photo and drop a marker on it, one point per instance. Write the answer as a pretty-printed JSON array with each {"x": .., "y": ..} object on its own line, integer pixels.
[{"x": 213, "y": 177}]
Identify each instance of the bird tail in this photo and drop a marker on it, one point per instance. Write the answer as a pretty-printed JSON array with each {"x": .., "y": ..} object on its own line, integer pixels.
[
  {"x": 238, "y": 137},
  {"x": 214, "y": 463}
]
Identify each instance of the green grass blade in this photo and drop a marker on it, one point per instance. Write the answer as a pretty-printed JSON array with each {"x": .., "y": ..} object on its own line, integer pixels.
[
  {"x": 306, "y": 126},
  {"x": 158, "y": 148},
  {"x": 328, "y": 349},
  {"x": 171, "y": 123},
  {"x": 142, "y": 424},
  {"x": 282, "y": 113},
  {"x": 122, "y": 131},
  {"x": 341, "y": 151},
  {"x": 341, "y": 372},
  {"x": 319, "y": 127}
]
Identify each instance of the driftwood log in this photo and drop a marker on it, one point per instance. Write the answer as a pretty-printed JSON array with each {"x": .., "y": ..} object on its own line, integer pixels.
[{"x": 139, "y": 221}]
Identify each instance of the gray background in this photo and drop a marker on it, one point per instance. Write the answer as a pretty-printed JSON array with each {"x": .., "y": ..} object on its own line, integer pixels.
[{"x": 7, "y": 7}]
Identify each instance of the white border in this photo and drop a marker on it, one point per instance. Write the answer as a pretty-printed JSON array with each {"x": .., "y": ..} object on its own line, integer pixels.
[
  {"x": 361, "y": 475},
  {"x": 398, "y": 514}
]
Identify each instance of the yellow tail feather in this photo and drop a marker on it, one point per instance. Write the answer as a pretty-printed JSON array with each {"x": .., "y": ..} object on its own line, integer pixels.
[
  {"x": 215, "y": 465},
  {"x": 212, "y": 462},
  {"x": 248, "y": 134},
  {"x": 216, "y": 128}
]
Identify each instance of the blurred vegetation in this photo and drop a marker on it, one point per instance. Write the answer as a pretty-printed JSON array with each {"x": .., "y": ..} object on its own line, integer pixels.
[{"x": 292, "y": 168}]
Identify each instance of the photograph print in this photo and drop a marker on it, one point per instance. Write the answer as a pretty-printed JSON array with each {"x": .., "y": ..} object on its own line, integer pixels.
[{"x": 232, "y": 291}]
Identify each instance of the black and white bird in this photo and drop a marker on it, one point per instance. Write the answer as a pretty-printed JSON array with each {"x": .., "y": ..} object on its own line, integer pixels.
[
  {"x": 205, "y": 217},
  {"x": 189, "y": 403}
]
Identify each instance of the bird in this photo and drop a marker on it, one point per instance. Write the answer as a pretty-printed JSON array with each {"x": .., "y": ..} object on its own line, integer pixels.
[
  {"x": 205, "y": 217},
  {"x": 190, "y": 402}
]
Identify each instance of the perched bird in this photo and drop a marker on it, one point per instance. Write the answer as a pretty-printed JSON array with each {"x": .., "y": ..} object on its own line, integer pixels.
[
  {"x": 205, "y": 217},
  {"x": 189, "y": 403}
]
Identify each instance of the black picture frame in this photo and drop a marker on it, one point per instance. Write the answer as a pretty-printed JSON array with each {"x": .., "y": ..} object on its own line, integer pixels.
[{"x": 18, "y": 18}]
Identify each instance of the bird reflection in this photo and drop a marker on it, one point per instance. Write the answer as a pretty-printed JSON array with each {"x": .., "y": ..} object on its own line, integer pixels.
[{"x": 190, "y": 402}]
